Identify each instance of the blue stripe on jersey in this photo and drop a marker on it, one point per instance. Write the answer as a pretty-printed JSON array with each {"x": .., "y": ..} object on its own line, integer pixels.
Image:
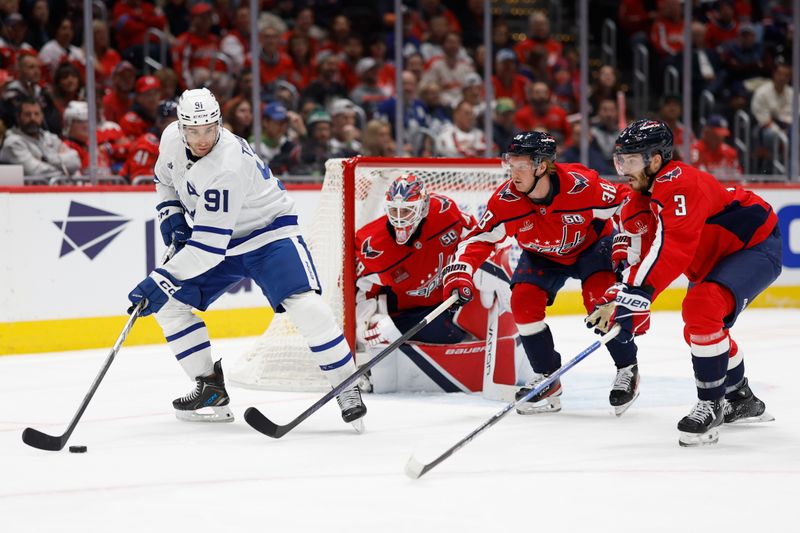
[
  {"x": 169, "y": 203},
  {"x": 213, "y": 229},
  {"x": 155, "y": 179},
  {"x": 280, "y": 222},
  {"x": 337, "y": 364},
  {"x": 193, "y": 327},
  {"x": 193, "y": 349},
  {"x": 205, "y": 247},
  {"x": 327, "y": 345}
]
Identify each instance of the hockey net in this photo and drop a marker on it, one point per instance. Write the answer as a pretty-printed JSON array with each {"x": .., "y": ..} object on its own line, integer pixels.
[{"x": 352, "y": 195}]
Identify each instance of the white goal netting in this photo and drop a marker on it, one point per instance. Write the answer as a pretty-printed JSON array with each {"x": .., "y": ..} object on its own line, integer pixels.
[{"x": 280, "y": 359}]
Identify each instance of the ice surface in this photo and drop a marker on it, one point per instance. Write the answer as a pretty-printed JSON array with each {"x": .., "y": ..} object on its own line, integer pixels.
[{"x": 579, "y": 470}]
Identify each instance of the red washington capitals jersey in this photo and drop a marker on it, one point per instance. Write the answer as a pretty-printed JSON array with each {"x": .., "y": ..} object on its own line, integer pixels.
[
  {"x": 412, "y": 271},
  {"x": 695, "y": 222},
  {"x": 578, "y": 215}
]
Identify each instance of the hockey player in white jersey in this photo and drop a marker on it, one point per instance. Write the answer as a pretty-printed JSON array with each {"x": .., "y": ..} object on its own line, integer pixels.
[{"x": 243, "y": 224}]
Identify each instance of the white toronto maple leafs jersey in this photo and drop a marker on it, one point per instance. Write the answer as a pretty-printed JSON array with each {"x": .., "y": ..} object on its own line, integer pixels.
[{"x": 231, "y": 199}]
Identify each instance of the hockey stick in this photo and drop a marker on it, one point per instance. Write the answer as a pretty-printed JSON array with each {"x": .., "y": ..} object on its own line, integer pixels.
[
  {"x": 415, "y": 469},
  {"x": 261, "y": 423},
  {"x": 43, "y": 441}
]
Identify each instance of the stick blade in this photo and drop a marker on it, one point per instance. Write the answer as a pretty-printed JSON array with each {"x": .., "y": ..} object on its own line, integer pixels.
[
  {"x": 415, "y": 469},
  {"x": 262, "y": 424},
  {"x": 37, "y": 439}
]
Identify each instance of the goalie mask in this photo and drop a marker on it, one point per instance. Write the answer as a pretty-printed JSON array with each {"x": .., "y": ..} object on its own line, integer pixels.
[
  {"x": 197, "y": 110},
  {"x": 406, "y": 205}
]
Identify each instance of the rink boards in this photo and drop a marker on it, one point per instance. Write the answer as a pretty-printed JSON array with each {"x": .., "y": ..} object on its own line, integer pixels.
[{"x": 71, "y": 255}]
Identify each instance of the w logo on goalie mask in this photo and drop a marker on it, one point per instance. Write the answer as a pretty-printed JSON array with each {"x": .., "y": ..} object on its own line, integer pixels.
[{"x": 406, "y": 205}]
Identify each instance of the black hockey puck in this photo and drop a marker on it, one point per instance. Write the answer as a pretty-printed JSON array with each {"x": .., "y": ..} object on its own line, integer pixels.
[{"x": 77, "y": 449}]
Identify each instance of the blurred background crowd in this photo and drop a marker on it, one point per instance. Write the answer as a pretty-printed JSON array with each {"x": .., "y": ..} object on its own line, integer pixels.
[{"x": 328, "y": 80}]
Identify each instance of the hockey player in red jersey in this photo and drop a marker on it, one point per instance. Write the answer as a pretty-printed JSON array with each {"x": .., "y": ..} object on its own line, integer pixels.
[
  {"x": 725, "y": 240},
  {"x": 560, "y": 215},
  {"x": 400, "y": 258}
]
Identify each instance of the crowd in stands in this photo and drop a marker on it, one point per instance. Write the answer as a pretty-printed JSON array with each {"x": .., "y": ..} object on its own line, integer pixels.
[{"x": 328, "y": 80}]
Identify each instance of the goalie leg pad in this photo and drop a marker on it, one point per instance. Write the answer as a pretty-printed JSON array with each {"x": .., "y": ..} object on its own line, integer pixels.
[
  {"x": 187, "y": 338},
  {"x": 315, "y": 321}
]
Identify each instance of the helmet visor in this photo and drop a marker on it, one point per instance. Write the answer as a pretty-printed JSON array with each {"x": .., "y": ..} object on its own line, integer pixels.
[
  {"x": 628, "y": 164},
  {"x": 517, "y": 162},
  {"x": 206, "y": 133}
]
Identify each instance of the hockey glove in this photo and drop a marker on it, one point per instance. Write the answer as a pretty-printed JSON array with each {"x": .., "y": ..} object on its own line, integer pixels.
[
  {"x": 173, "y": 226},
  {"x": 458, "y": 281},
  {"x": 624, "y": 305},
  {"x": 155, "y": 290},
  {"x": 626, "y": 250},
  {"x": 383, "y": 331}
]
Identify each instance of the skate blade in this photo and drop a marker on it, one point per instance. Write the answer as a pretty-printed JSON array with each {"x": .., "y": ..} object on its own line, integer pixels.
[
  {"x": 218, "y": 414},
  {"x": 548, "y": 405},
  {"x": 691, "y": 440},
  {"x": 764, "y": 417},
  {"x": 358, "y": 425},
  {"x": 619, "y": 410}
]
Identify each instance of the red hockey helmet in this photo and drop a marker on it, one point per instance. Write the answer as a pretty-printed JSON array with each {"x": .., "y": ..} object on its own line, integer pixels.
[{"x": 406, "y": 205}]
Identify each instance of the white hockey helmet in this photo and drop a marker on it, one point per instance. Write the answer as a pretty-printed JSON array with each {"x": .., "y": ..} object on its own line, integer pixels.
[
  {"x": 406, "y": 205},
  {"x": 198, "y": 107},
  {"x": 75, "y": 110}
]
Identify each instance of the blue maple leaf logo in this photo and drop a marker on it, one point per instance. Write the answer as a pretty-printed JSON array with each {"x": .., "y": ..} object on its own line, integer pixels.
[{"x": 88, "y": 229}]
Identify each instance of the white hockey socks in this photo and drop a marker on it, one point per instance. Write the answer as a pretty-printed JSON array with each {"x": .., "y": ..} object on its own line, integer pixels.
[
  {"x": 187, "y": 337},
  {"x": 315, "y": 321}
]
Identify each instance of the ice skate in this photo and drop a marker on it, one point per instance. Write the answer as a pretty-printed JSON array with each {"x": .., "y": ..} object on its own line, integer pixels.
[
  {"x": 208, "y": 402},
  {"x": 743, "y": 407},
  {"x": 353, "y": 408},
  {"x": 546, "y": 401},
  {"x": 701, "y": 426},
  {"x": 625, "y": 389}
]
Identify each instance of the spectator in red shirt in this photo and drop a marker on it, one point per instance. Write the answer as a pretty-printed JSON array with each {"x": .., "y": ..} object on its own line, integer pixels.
[
  {"x": 711, "y": 154},
  {"x": 236, "y": 44},
  {"x": 538, "y": 37},
  {"x": 13, "y": 40},
  {"x": 635, "y": 17},
  {"x": 142, "y": 115},
  {"x": 76, "y": 135},
  {"x": 429, "y": 9},
  {"x": 338, "y": 35},
  {"x": 105, "y": 57},
  {"x": 302, "y": 65},
  {"x": 304, "y": 27},
  {"x": 507, "y": 81},
  {"x": 131, "y": 19},
  {"x": 353, "y": 53},
  {"x": 117, "y": 100},
  {"x": 274, "y": 64},
  {"x": 722, "y": 26},
  {"x": 193, "y": 51},
  {"x": 541, "y": 113},
  {"x": 666, "y": 35}
]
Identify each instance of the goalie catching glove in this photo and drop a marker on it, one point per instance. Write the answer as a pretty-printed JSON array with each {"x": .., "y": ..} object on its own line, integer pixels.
[
  {"x": 624, "y": 305},
  {"x": 457, "y": 279},
  {"x": 156, "y": 289}
]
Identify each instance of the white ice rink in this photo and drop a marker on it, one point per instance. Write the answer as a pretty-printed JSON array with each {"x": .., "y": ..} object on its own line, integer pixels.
[{"x": 577, "y": 471}]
